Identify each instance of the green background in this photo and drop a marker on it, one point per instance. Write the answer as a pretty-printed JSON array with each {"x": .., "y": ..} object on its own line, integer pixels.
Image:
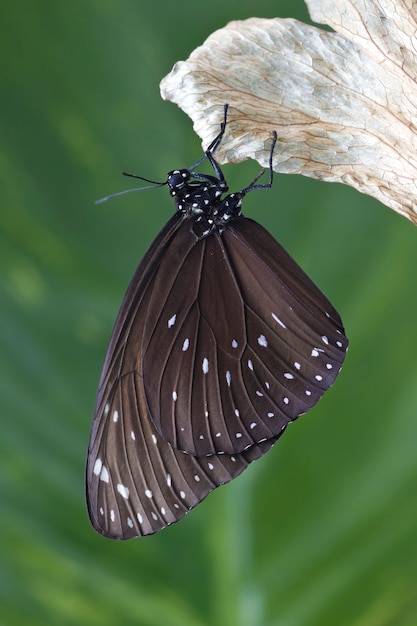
[{"x": 323, "y": 530}]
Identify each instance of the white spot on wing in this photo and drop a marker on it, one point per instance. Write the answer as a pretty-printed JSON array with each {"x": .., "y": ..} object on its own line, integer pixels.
[
  {"x": 228, "y": 377},
  {"x": 205, "y": 365},
  {"x": 140, "y": 518},
  {"x": 148, "y": 493},
  {"x": 280, "y": 322},
  {"x": 185, "y": 345},
  {"x": 262, "y": 341},
  {"x": 234, "y": 343},
  {"x": 97, "y": 467},
  {"x": 112, "y": 515},
  {"x": 129, "y": 522},
  {"x": 325, "y": 340},
  {"x": 171, "y": 321},
  {"x": 174, "y": 395},
  {"x": 124, "y": 491},
  {"x": 288, "y": 376},
  {"x": 104, "y": 475},
  {"x": 115, "y": 416},
  {"x": 250, "y": 365}
]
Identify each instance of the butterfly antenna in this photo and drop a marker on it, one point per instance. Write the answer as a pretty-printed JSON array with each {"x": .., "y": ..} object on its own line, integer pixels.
[{"x": 122, "y": 193}]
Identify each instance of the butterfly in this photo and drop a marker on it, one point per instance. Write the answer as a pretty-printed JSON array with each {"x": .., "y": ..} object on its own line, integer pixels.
[{"x": 221, "y": 341}]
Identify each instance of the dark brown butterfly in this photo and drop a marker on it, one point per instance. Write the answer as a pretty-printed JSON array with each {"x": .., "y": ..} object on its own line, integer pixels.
[{"x": 220, "y": 342}]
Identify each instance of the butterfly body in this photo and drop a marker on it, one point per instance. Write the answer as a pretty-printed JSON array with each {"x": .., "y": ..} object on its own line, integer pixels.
[{"x": 221, "y": 341}]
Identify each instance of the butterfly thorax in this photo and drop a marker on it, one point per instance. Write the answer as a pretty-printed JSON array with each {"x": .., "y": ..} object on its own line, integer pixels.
[{"x": 201, "y": 199}]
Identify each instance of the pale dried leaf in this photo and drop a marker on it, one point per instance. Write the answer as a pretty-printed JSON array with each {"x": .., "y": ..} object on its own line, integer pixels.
[
  {"x": 385, "y": 29},
  {"x": 340, "y": 114}
]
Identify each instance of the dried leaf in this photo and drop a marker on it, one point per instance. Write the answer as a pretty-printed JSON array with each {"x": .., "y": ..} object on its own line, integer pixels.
[{"x": 344, "y": 105}]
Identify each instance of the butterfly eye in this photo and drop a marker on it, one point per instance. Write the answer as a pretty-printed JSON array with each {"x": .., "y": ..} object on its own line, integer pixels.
[
  {"x": 177, "y": 179},
  {"x": 221, "y": 341}
]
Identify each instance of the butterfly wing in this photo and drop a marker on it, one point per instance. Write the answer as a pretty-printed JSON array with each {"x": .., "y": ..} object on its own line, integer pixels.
[
  {"x": 136, "y": 482},
  {"x": 238, "y": 342}
]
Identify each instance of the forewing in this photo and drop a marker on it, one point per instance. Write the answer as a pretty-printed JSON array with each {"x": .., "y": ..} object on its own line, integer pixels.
[{"x": 136, "y": 482}]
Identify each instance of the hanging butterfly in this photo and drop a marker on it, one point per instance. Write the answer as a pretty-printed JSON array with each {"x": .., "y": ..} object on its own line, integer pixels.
[{"x": 221, "y": 341}]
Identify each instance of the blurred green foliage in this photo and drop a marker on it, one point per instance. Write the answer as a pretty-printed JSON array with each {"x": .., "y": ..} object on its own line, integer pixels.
[{"x": 320, "y": 532}]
